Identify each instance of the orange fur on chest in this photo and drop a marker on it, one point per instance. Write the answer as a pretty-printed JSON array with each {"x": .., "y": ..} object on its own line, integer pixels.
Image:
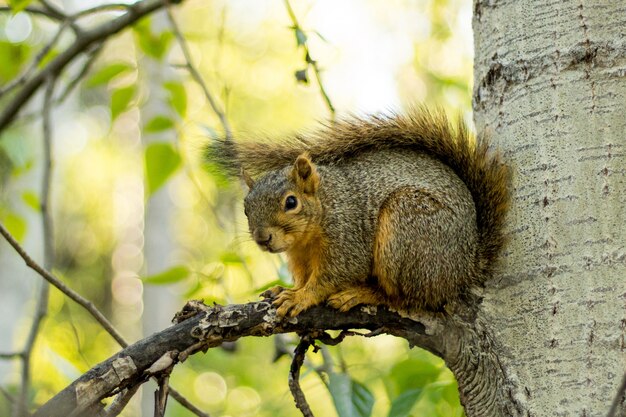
[{"x": 305, "y": 257}]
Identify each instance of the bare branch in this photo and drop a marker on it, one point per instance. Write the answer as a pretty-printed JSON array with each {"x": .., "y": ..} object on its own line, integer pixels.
[
  {"x": 89, "y": 60},
  {"x": 310, "y": 61},
  {"x": 48, "y": 243},
  {"x": 195, "y": 74},
  {"x": 7, "y": 395},
  {"x": 52, "y": 9},
  {"x": 11, "y": 355},
  {"x": 120, "y": 402},
  {"x": 37, "y": 11},
  {"x": 185, "y": 403},
  {"x": 89, "y": 37},
  {"x": 61, "y": 286},
  {"x": 110, "y": 7},
  {"x": 198, "y": 332},
  {"x": 160, "y": 396},
  {"x": 294, "y": 377}
]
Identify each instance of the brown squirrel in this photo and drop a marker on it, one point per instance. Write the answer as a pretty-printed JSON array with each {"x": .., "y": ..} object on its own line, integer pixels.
[{"x": 405, "y": 211}]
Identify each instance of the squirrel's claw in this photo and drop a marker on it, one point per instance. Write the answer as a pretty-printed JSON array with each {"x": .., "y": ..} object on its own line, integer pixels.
[
  {"x": 290, "y": 303},
  {"x": 272, "y": 292},
  {"x": 286, "y": 305}
]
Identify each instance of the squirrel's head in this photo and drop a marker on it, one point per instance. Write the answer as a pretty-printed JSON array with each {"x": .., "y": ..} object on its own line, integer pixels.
[{"x": 282, "y": 207}]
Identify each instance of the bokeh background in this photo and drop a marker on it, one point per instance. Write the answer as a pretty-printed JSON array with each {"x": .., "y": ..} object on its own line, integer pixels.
[{"x": 141, "y": 224}]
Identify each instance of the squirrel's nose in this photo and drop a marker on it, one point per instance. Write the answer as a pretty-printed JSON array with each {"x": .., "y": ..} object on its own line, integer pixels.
[{"x": 262, "y": 237}]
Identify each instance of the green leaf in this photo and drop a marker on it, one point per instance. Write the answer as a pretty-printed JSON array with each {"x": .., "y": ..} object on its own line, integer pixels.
[
  {"x": 106, "y": 74},
  {"x": 19, "y": 5},
  {"x": 351, "y": 398},
  {"x": 32, "y": 200},
  {"x": 158, "y": 124},
  {"x": 16, "y": 225},
  {"x": 230, "y": 258},
  {"x": 302, "y": 76},
  {"x": 178, "y": 97},
  {"x": 170, "y": 276},
  {"x": 415, "y": 372},
  {"x": 120, "y": 99},
  {"x": 16, "y": 149},
  {"x": 161, "y": 161},
  {"x": 150, "y": 43},
  {"x": 13, "y": 57},
  {"x": 300, "y": 36},
  {"x": 401, "y": 405}
]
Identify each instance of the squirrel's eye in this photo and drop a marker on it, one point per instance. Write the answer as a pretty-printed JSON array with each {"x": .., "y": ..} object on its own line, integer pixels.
[{"x": 291, "y": 203}]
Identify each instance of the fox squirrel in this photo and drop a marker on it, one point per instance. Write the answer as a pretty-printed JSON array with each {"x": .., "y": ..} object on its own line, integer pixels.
[{"x": 405, "y": 211}]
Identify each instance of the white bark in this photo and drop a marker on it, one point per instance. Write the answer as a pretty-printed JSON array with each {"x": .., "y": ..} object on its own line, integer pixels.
[{"x": 550, "y": 84}]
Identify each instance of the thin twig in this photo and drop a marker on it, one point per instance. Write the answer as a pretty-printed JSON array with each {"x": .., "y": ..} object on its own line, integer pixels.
[
  {"x": 160, "y": 396},
  {"x": 310, "y": 61},
  {"x": 53, "y": 9},
  {"x": 195, "y": 74},
  {"x": 11, "y": 355},
  {"x": 48, "y": 243},
  {"x": 185, "y": 403},
  {"x": 120, "y": 402},
  {"x": 89, "y": 61},
  {"x": 36, "y": 10},
  {"x": 110, "y": 7},
  {"x": 61, "y": 286},
  {"x": 7, "y": 395},
  {"x": 294, "y": 377},
  {"x": 618, "y": 398}
]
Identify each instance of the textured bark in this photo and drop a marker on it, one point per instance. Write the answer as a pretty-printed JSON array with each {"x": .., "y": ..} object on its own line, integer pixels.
[
  {"x": 550, "y": 84},
  {"x": 214, "y": 326},
  {"x": 459, "y": 338}
]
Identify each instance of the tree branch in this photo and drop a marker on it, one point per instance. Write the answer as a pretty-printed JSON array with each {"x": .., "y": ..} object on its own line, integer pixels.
[
  {"x": 48, "y": 243},
  {"x": 294, "y": 377},
  {"x": 101, "y": 32},
  {"x": 61, "y": 286},
  {"x": 209, "y": 329}
]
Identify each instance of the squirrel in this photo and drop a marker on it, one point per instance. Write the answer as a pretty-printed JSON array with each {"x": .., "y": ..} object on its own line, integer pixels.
[{"x": 405, "y": 211}]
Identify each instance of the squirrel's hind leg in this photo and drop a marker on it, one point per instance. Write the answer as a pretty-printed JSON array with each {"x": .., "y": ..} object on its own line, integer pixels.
[
  {"x": 351, "y": 297},
  {"x": 414, "y": 254}
]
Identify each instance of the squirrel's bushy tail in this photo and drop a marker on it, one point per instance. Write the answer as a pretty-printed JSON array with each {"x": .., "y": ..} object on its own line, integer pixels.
[{"x": 421, "y": 130}]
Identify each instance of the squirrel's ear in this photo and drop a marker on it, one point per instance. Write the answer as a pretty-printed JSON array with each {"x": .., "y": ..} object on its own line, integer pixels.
[
  {"x": 305, "y": 174},
  {"x": 247, "y": 179}
]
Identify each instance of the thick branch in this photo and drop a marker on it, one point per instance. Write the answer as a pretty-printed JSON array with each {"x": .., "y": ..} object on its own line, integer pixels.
[
  {"x": 135, "y": 12},
  {"x": 209, "y": 329}
]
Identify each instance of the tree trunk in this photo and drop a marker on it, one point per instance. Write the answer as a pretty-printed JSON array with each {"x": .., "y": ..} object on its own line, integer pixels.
[{"x": 550, "y": 87}]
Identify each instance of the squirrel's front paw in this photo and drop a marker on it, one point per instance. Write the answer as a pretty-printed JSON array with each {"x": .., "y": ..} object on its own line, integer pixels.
[{"x": 290, "y": 303}]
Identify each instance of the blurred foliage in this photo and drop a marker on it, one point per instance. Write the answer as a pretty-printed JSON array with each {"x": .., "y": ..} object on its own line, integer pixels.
[{"x": 372, "y": 56}]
